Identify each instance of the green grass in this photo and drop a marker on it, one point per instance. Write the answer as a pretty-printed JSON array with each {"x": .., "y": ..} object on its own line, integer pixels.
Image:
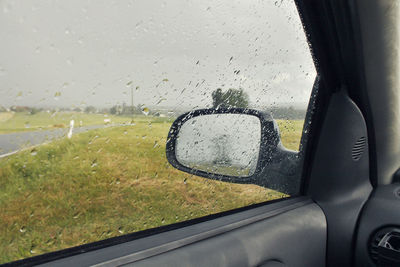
[
  {"x": 105, "y": 183},
  {"x": 23, "y": 121}
]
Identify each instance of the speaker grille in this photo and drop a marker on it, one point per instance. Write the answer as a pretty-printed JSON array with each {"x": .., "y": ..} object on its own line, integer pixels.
[{"x": 358, "y": 148}]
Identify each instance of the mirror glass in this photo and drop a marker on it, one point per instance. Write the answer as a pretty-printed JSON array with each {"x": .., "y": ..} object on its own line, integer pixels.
[{"x": 226, "y": 144}]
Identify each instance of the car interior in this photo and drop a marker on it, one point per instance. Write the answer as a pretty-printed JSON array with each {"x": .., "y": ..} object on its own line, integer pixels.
[{"x": 346, "y": 213}]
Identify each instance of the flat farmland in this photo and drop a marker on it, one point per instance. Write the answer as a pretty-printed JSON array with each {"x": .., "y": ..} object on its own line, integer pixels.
[{"x": 104, "y": 183}]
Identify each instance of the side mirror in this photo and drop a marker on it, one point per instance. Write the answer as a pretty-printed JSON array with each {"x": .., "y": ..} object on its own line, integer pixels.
[{"x": 233, "y": 145}]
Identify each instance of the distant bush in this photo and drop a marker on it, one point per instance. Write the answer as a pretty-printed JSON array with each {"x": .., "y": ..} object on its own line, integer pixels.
[
  {"x": 30, "y": 110},
  {"x": 90, "y": 109},
  {"x": 229, "y": 99}
]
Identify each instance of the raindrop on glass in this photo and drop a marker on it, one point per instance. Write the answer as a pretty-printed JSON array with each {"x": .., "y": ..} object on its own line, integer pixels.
[
  {"x": 94, "y": 163},
  {"x": 145, "y": 111},
  {"x": 156, "y": 144},
  {"x": 57, "y": 95}
]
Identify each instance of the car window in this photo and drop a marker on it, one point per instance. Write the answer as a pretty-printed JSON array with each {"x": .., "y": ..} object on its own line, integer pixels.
[{"x": 88, "y": 93}]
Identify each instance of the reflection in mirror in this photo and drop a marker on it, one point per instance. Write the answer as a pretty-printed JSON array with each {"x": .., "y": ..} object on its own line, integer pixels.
[{"x": 224, "y": 144}]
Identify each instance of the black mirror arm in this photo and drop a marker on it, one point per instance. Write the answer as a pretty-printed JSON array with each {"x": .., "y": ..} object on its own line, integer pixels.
[{"x": 280, "y": 170}]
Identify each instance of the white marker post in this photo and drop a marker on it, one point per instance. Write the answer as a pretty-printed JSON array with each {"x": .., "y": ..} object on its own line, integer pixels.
[{"x": 71, "y": 127}]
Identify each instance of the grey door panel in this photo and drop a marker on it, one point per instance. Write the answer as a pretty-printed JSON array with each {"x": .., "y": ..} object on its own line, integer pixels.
[
  {"x": 291, "y": 232},
  {"x": 295, "y": 238}
]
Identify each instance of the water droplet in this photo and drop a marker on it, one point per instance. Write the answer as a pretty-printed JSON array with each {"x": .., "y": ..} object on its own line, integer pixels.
[
  {"x": 34, "y": 152},
  {"x": 145, "y": 111},
  {"x": 121, "y": 230},
  {"x": 94, "y": 163},
  {"x": 230, "y": 60},
  {"x": 57, "y": 95},
  {"x": 129, "y": 83},
  {"x": 161, "y": 100},
  {"x": 67, "y": 31},
  {"x": 27, "y": 125},
  {"x": 22, "y": 229},
  {"x": 162, "y": 220},
  {"x": 156, "y": 144}
]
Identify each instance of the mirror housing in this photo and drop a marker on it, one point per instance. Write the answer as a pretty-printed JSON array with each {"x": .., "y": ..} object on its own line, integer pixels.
[{"x": 276, "y": 167}]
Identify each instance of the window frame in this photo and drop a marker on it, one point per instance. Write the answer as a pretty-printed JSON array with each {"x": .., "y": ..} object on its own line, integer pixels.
[{"x": 264, "y": 210}]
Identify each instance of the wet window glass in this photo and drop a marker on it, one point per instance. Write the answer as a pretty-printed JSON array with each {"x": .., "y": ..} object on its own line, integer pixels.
[{"x": 90, "y": 89}]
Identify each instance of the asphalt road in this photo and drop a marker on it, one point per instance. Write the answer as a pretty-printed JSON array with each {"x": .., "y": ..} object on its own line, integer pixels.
[{"x": 13, "y": 142}]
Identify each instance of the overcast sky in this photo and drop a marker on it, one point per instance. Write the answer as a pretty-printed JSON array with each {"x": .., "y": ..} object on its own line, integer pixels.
[{"x": 78, "y": 52}]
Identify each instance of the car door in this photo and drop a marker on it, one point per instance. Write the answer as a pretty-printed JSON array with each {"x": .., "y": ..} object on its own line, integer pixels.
[{"x": 319, "y": 223}]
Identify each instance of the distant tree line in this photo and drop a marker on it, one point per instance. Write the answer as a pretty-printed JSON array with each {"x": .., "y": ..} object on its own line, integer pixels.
[
  {"x": 286, "y": 113},
  {"x": 31, "y": 110},
  {"x": 125, "y": 109},
  {"x": 230, "y": 98},
  {"x": 115, "y": 110}
]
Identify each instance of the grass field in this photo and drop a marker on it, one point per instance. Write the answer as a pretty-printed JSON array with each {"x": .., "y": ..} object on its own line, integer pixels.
[
  {"x": 105, "y": 183},
  {"x": 23, "y": 121}
]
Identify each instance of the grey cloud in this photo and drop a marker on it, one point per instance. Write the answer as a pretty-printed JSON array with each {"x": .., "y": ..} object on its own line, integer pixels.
[{"x": 89, "y": 50}]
